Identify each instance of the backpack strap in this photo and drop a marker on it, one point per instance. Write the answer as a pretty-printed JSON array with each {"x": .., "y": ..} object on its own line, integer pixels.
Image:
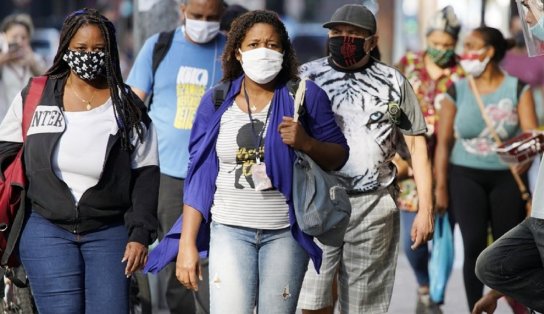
[
  {"x": 35, "y": 92},
  {"x": 222, "y": 88},
  {"x": 160, "y": 50},
  {"x": 220, "y": 93},
  {"x": 37, "y": 86}
]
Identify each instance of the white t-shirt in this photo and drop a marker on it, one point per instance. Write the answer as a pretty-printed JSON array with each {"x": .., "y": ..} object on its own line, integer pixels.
[
  {"x": 236, "y": 202},
  {"x": 78, "y": 158}
]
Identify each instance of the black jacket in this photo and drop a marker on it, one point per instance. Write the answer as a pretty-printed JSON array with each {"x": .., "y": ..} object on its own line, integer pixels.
[{"x": 126, "y": 191}]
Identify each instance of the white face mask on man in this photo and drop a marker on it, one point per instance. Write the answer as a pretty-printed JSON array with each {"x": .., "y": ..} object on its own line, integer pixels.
[
  {"x": 201, "y": 31},
  {"x": 261, "y": 65},
  {"x": 471, "y": 62}
]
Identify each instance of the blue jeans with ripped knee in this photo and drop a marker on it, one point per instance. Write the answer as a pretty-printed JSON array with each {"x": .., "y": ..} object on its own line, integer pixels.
[{"x": 254, "y": 268}]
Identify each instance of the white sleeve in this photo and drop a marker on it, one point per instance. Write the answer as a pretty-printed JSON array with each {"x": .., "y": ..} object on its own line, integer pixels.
[
  {"x": 146, "y": 153},
  {"x": 10, "y": 128}
]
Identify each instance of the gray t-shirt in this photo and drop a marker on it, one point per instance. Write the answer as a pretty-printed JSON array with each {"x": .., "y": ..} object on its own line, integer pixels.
[
  {"x": 537, "y": 210},
  {"x": 360, "y": 101}
]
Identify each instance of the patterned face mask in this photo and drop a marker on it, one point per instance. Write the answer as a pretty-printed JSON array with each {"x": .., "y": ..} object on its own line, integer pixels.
[
  {"x": 347, "y": 50},
  {"x": 441, "y": 57},
  {"x": 86, "y": 64}
]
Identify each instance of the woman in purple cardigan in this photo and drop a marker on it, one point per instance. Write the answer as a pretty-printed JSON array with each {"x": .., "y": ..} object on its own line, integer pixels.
[{"x": 240, "y": 174}]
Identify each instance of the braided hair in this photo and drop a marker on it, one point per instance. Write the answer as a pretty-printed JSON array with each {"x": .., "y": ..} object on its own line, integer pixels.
[{"x": 127, "y": 113}]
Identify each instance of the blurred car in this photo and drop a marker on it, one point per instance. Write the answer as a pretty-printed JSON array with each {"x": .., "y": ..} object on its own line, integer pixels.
[
  {"x": 45, "y": 42},
  {"x": 309, "y": 41}
]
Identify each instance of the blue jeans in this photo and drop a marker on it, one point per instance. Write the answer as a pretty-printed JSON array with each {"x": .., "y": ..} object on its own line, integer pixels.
[
  {"x": 254, "y": 268},
  {"x": 418, "y": 258},
  {"x": 513, "y": 264},
  {"x": 72, "y": 273}
]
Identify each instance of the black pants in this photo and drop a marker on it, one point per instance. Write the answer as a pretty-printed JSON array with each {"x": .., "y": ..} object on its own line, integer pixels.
[
  {"x": 180, "y": 300},
  {"x": 513, "y": 264},
  {"x": 482, "y": 199}
]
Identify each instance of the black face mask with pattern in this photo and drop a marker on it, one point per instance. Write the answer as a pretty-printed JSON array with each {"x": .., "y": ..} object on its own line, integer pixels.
[
  {"x": 347, "y": 50},
  {"x": 86, "y": 64}
]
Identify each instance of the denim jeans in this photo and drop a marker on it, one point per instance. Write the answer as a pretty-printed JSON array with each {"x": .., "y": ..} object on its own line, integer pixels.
[
  {"x": 72, "y": 273},
  {"x": 254, "y": 268},
  {"x": 418, "y": 258},
  {"x": 513, "y": 264}
]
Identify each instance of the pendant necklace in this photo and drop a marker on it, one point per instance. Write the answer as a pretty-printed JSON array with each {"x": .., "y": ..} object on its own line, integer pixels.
[{"x": 88, "y": 105}]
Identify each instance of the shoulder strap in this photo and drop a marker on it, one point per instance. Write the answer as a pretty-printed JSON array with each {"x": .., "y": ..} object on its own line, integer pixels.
[
  {"x": 220, "y": 93},
  {"x": 522, "y": 188},
  {"x": 159, "y": 52},
  {"x": 161, "y": 48},
  {"x": 299, "y": 98},
  {"x": 37, "y": 85}
]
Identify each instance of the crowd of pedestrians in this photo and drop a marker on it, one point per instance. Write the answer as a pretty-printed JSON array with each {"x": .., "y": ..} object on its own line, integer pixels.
[{"x": 198, "y": 146}]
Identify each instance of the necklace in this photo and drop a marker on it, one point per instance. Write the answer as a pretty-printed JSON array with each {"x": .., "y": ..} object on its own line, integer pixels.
[{"x": 88, "y": 105}]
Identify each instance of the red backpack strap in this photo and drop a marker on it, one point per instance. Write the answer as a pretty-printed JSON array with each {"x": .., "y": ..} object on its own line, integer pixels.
[{"x": 37, "y": 85}]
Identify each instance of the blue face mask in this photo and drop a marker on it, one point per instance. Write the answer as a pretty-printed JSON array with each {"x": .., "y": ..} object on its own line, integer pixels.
[{"x": 538, "y": 29}]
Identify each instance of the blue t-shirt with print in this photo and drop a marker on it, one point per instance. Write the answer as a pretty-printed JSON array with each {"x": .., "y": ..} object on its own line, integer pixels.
[
  {"x": 474, "y": 145},
  {"x": 185, "y": 73}
]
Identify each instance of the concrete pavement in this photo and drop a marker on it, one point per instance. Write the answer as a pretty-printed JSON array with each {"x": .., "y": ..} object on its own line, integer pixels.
[{"x": 405, "y": 289}]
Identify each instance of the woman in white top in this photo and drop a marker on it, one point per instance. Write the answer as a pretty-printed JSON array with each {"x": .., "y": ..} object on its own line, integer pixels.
[{"x": 91, "y": 163}]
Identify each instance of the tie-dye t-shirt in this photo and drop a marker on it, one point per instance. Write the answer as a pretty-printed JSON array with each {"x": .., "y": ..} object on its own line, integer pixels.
[{"x": 360, "y": 100}]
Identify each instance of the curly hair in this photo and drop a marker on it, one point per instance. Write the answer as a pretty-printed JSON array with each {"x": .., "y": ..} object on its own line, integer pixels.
[
  {"x": 232, "y": 67},
  {"x": 127, "y": 112}
]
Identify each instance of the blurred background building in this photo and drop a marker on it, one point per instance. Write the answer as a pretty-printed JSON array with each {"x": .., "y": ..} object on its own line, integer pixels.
[{"x": 401, "y": 23}]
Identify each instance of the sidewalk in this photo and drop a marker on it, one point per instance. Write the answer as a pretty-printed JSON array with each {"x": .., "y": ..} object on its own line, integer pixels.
[{"x": 404, "y": 291}]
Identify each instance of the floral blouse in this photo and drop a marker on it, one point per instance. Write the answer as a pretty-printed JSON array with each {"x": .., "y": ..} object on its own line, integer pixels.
[{"x": 429, "y": 93}]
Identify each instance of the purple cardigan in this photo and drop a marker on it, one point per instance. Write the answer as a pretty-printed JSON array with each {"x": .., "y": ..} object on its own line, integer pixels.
[{"x": 204, "y": 166}]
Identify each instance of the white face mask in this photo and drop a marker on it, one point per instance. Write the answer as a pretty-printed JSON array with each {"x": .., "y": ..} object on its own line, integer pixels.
[
  {"x": 201, "y": 31},
  {"x": 261, "y": 65},
  {"x": 474, "y": 66}
]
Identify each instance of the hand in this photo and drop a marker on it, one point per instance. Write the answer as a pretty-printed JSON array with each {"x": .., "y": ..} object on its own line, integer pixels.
[
  {"x": 487, "y": 304},
  {"x": 135, "y": 256},
  {"x": 9, "y": 57},
  {"x": 422, "y": 228},
  {"x": 441, "y": 199},
  {"x": 293, "y": 134},
  {"x": 188, "y": 266}
]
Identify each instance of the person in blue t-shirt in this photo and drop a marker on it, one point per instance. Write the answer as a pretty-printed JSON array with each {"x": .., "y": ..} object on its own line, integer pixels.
[{"x": 190, "y": 67}]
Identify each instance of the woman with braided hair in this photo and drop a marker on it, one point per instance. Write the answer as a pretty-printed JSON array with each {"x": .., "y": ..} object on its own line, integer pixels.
[{"x": 92, "y": 168}]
